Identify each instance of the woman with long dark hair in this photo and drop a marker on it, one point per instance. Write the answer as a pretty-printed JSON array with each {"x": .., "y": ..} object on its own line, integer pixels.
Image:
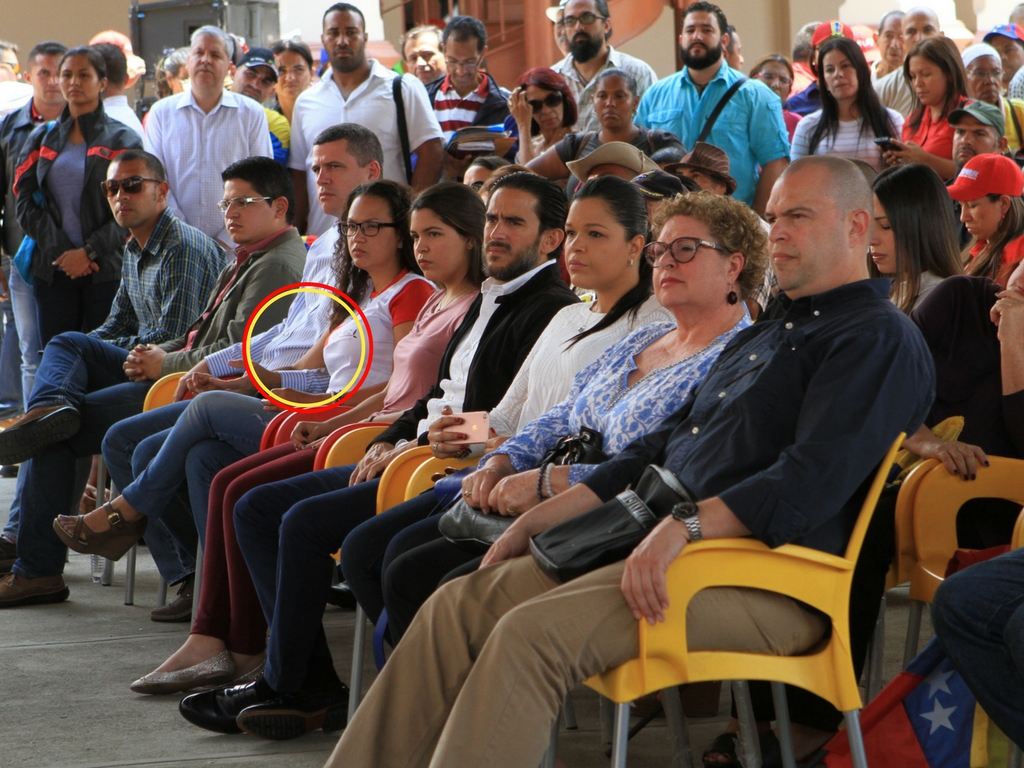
[
  {"x": 851, "y": 116},
  {"x": 76, "y": 261},
  {"x": 914, "y": 240},
  {"x": 936, "y": 73},
  {"x": 294, "y": 74},
  {"x": 544, "y": 110}
]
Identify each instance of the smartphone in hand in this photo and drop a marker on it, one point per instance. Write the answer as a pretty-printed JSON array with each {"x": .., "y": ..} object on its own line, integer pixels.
[{"x": 475, "y": 425}]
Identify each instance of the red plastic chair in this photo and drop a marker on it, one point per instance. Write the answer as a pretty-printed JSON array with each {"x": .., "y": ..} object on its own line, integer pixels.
[{"x": 280, "y": 428}]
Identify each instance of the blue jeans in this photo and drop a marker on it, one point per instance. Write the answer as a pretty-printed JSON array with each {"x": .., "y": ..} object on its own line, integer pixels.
[
  {"x": 74, "y": 365},
  {"x": 172, "y": 539},
  {"x": 978, "y": 616},
  {"x": 370, "y": 548},
  {"x": 23, "y": 300},
  {"x": 50, "y": 477},
  {"x": 214, "y": 430},
  {"x": 10, "y": 353},
  {"x": 287, "y": 531}
]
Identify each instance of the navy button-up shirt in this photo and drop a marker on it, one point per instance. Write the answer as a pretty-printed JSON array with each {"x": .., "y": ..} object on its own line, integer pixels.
[{"x": 794, "y": 418}]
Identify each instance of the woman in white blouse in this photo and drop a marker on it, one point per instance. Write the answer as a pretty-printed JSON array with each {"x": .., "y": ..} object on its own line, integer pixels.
[{"x": 851, "y": 117}]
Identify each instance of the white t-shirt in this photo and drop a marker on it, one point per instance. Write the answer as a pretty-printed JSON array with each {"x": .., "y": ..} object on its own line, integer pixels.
[
  {"x": 343, "y": 350},
  {"x": 371, "y": 105},
  {"x": 848, "y": 141}
]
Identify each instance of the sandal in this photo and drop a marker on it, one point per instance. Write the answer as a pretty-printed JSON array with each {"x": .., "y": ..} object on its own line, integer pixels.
[{"x": 111, "y": 544}]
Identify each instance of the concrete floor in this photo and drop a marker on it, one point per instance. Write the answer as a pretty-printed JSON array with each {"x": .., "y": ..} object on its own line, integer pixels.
[{"x": 65, "y": 671}]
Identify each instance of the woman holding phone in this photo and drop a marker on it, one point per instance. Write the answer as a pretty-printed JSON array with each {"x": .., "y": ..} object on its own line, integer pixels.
[
  {"x": 936, "y": 73},
  {"x": 851, "y": 120}
]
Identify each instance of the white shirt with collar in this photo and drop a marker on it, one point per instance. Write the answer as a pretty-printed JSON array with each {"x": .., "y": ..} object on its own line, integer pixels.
[
  {"x": 372, "y": 105},
  {"x": 584, "y": 91},
  {"x": 117, "y": 107},
  {"x": 458, "y": 371},
  {"x": 196, "y": 147}
]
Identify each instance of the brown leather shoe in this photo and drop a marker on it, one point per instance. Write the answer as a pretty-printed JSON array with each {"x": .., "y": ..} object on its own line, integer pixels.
[
  {"x": 8, "y": 554},
  {"x": 179, "y": 609},
  {"x": 37, "y": 430},
  {"x": 16, "y": 590}
]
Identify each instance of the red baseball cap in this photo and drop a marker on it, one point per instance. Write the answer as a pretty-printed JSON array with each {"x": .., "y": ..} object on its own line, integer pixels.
[
  {"x": 987, "y": 175},
  {"x": 828, "y": 29}
]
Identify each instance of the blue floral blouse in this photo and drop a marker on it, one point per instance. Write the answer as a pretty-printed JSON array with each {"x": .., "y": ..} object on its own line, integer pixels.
[{"x": 601, "y": 400}]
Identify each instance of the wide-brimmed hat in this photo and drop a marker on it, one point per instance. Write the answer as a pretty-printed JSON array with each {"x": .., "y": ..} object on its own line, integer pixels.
[
  {"x": 658, "y": 185},
  {"x": 612, "y": 153},
  {"x": 708, "y": 159},
  {"x": 989, "y": 174}
]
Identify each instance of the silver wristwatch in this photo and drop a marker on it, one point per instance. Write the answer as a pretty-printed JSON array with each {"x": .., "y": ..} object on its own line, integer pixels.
[{"x": 686, "y": 512}]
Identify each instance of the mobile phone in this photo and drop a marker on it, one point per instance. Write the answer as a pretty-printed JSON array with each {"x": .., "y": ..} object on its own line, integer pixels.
[
  {"x": 475, "y": 425},
  {"x": 886, "y": 145}
]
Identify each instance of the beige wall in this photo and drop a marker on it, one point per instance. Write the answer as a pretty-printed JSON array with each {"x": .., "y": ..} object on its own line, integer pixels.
[{"x": 71, "y": 22}]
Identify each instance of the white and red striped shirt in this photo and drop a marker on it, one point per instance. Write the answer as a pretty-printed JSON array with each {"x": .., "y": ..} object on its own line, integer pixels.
[{"x": 454, "y": 111}]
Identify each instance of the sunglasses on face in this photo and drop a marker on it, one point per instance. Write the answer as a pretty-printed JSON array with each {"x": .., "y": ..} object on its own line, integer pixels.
[
  {"x": 553, "y": 99},
  {"x": 131, "y": 185}
]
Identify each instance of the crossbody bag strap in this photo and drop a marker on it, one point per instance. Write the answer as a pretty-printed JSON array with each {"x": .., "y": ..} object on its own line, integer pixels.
[
  {"x": 713, "y": 117},
  {"x": 403, "y": 129},
  {"x": 1016, "y": 126}
]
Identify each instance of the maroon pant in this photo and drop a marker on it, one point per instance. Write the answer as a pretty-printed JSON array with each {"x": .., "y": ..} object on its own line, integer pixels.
[{"x": 228, "y": 606}]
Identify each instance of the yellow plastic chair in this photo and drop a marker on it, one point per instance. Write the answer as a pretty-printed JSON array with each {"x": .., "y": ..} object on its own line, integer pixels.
[
  {"x": 936, "y": 503},
  {"x": 162, "y": 391},
  {"x": 819, "y": 579},
  {"x": 1018, "y": 532}
]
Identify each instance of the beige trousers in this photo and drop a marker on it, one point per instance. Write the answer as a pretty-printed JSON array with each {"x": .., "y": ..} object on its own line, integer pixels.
[{"x": 480, "y": 676}]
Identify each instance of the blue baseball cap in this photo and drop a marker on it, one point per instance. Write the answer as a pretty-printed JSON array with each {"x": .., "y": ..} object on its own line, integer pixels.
[{"x": 1012, "y": 31}]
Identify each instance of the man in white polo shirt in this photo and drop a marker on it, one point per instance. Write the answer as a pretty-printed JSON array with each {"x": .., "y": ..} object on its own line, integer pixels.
[
  {"x": 199, "y": 133},
  {"x": 360, "y": 90}
]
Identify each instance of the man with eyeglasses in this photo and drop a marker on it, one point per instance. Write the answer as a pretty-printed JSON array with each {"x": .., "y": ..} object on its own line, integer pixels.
[
  {"x": 466, "y": 94},
  {"x": 588, "y": 27},
  {"x": 256, "y": 77},
  {"x": 984, "y": 84},
  {"x": 360, "y": 90}
]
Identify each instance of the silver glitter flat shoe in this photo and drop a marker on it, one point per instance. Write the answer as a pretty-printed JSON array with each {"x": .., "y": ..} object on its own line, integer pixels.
[{"x": 216, "y": 670}]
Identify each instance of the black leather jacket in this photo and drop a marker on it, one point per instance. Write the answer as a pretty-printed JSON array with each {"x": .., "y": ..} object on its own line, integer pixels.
[
  {"x": 105, "y": 139},
  {"x": 15, "y": 130}
]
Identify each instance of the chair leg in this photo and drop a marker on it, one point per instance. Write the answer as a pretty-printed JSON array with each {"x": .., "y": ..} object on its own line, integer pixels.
[
  {"x": 876, "y": 655},
  {"x": 197, "y": 585},
  {"x": 620, "y": 741},
  {"x": 129, "y": 581},
  {"x": 678, "y": 729},
  {"x": 569, "y": 714},
  {"x": 108, "y": 573},
  {"x": 782, "y": 720},
  {"x": 1015, "y": 759},
  {"x": 356, "y": 678},
  {"x": 856, "y": 738},
  {"x": 549, "y": 756},
  {"x": 913, "y": 631},
  {"x": 607, "y": 715},
  {"x": 750, "y": 747}
]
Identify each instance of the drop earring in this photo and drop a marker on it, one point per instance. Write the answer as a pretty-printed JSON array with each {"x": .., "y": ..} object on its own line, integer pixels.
[
  {"x": 631, "y": 262},
  {"x": 732, "y": 297}
]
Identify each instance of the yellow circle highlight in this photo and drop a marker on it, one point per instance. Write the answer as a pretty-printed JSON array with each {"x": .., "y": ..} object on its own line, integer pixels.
[{"x": 247, "y": 342}]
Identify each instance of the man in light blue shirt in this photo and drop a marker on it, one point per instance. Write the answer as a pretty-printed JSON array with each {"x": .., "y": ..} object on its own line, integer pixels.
[{"x": 750, "y": 128}]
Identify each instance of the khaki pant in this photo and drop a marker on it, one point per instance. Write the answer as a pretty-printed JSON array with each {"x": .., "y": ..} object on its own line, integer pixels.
[{"x": 480, "y": 676}]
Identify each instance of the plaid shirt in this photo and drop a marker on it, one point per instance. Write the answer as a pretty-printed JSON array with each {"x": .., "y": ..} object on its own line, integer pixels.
[{"x": 164, "y": 286}]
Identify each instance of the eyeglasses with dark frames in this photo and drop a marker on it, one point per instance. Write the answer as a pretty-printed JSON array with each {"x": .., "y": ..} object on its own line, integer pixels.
[
  {"x": 584, "y": 19},
  {"x": 131, "y": 185},
  {"x": 368, "y": 228},
  {"x": 681, "y": 250}
]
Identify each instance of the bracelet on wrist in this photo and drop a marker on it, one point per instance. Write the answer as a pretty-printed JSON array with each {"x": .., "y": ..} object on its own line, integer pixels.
[
  {"x": 547, "y": 481},
  {"x": 540, "y": 482}
]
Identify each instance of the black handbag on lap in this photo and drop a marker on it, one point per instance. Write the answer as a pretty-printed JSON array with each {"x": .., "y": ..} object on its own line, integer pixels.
[
  {"x": 471, "y": 529},
  {"x": 608, "y": 533}
]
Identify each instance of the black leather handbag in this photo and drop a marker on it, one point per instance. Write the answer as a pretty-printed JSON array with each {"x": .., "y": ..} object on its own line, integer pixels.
[
  {"x": 475, "y": 531},
  {"x": 608, "y": 533}
]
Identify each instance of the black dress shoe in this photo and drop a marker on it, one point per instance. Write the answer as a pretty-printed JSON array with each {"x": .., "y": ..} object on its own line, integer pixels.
[
  {"x": 341, "y": 596},
  {"x": 290, "y": 715},
  {"x": 218, "y": 709}
]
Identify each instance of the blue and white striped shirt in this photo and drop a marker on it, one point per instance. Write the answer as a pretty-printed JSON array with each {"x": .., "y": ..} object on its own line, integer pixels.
[{"x": 307, "y": 319}]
